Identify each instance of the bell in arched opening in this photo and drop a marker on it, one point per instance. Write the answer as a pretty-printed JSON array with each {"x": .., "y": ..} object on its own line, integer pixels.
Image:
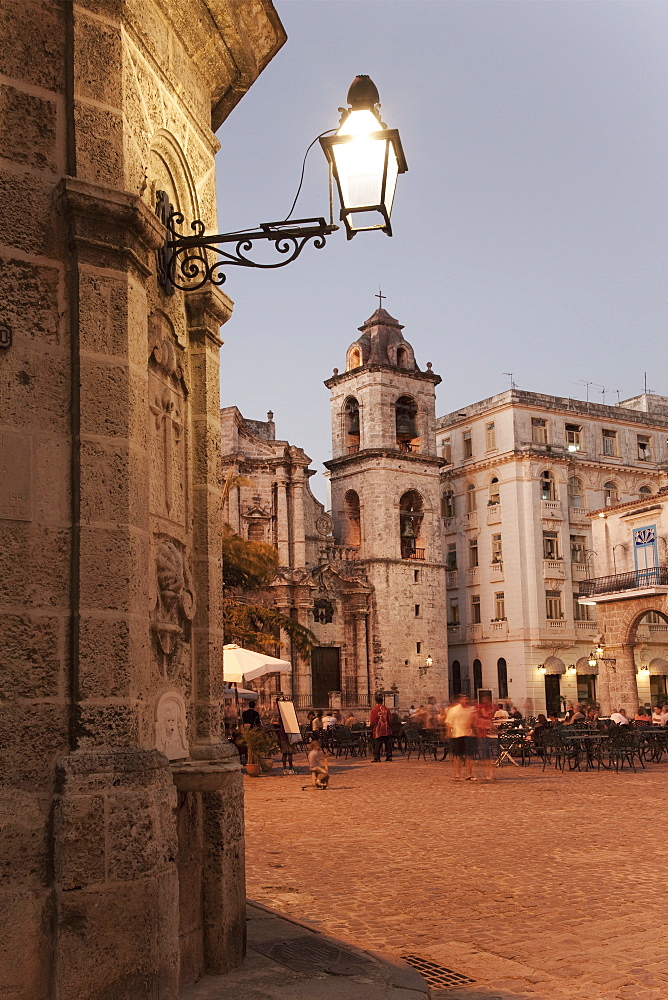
[
  {"x": 407, "y": 529},
  {"x": 406, "y": 424},
  {"x": 354, "y": 422}
]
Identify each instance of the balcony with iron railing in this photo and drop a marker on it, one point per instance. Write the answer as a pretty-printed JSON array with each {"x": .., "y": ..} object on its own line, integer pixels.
[
  {"x": 409, "y": 551},
  {"x": 640, "y": 579}
]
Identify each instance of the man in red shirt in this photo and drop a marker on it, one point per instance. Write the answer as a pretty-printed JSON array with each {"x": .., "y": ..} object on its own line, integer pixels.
[{"x": 381, "y": 724}]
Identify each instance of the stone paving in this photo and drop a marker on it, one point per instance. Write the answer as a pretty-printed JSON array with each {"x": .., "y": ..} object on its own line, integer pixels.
[{"x": 538, "y": 885}]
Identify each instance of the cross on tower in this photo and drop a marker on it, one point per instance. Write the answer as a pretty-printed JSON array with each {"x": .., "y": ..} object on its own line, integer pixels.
[{"x": 380, "y": 297}]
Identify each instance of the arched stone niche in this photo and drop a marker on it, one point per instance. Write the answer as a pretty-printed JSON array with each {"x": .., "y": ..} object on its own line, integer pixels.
[{"x": 170, "y": 726}]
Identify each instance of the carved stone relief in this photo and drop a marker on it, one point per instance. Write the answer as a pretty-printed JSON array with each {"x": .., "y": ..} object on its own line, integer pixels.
[
  {"x": 170, "y": 726},
  {"x": 167, "y": 405},
  {"x": 174, "y": 602}
]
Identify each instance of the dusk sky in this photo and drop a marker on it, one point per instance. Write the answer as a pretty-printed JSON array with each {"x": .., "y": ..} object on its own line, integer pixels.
[{"x": 530, "y": 232}]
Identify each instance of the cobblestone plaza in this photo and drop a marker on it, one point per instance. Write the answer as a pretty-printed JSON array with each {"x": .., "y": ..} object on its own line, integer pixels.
[{"x": 538, "y": 885}]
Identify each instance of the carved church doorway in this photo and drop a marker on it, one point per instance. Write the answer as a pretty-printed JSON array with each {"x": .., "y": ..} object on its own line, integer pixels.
[{"x": 325, "y": 673}]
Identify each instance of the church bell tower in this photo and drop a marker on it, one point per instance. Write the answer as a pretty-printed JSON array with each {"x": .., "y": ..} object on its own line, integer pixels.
[{"x": 384, "y": 475}]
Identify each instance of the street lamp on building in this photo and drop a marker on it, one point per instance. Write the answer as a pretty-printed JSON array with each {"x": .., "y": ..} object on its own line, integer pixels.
[{"x": 365, "y": 159}]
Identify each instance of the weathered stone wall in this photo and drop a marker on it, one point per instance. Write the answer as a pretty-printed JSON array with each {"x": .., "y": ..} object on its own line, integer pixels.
[{"x": 110, "y": 504}]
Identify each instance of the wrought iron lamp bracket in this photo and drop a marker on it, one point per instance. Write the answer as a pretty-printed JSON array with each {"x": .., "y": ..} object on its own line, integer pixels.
[{"x": 184, "y": 261}]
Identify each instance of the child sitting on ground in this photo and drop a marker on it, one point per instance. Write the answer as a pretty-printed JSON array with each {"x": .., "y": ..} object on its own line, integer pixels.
[{"x": 318, "y": 766}]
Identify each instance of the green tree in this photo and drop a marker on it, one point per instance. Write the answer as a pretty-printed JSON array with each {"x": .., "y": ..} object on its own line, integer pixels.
[{"x": 251, "y": 566}]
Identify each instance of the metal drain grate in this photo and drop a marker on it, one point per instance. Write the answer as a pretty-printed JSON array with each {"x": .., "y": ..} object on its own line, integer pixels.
[
  {"x": 436, "y": 976},
  {"x": 306, "y": 954}
]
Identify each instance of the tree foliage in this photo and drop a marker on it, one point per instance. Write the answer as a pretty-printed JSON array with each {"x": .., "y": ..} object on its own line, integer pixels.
[{"x": 251, "y": 566}]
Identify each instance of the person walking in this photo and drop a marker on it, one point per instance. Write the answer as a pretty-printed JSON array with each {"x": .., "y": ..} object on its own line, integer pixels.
[
  {"x": 459, "y": 720},
  {"x": 380, "y": 721},
  {"x": 318, "y": 766},
  {"x": 483, "y": 725}
]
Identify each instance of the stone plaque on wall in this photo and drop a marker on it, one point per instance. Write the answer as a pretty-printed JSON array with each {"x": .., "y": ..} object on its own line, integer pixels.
[
  {"x": 170, "y": 726},
  {"x": 15, "y": 476}
]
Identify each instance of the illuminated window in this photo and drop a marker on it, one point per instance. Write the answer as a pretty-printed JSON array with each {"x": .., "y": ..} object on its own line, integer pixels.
[{"x": 573, "y": 436}]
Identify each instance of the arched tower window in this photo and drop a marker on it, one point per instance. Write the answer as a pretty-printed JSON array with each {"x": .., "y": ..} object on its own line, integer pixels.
[
  {"x": 352, "y": 524},
  {"x": 548, "y": 487},
  {"x": 494, "y": 496},
  {"x": 401, "y": 357},
  {"x": 406, "y": 424},
  {"x": 410, "y": 525},
  {"x": 352, "y": 424},
  {"x": 610, "y": 493},
  {"x": 354, "y": 358}
]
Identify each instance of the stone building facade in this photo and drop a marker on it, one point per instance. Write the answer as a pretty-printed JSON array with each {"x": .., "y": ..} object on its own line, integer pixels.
[
  {"x": 630, "y": 593},
  {"x": 520, "y": 471},
  {"x": 368, "y": 579},
  {"x": 121, "y": 809}
]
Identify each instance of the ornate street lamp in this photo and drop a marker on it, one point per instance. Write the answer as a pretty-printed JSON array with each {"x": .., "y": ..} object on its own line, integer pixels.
[
  {"x": 365, "y": 158},
  {"x": 592, "y": 661}
]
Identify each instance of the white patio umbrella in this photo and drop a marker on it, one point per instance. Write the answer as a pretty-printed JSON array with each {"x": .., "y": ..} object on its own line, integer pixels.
[{"x": 241, "y": 665}]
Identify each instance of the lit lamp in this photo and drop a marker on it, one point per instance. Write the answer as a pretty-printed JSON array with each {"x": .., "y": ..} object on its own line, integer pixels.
[
  {"x": 599, "y": 650},
  {"x": 572, "y": 669},
  {"x": 592, "y": 661},
  {"x": 643, "y": 671},
  {"x": 428, "y": 662},
  {"x": 366, "y": 158},
  {"x": 542, "y": 669}
]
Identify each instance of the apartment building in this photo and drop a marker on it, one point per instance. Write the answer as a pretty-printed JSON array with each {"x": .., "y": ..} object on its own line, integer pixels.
[{"x": 520, "y": 472}]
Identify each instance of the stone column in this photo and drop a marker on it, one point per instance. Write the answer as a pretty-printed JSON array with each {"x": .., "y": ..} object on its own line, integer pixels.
[
  {"x": 207, "y": 309},
  {"x": 361, "y": 650},
  {"x": 282, "y": 528},
  {"x": 298, "y": 534},
  {"x": 623, "y": 687}
]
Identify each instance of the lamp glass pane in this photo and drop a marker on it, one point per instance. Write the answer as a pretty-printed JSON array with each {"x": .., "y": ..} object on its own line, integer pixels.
[
  {"x": 391, "y": 182},
  {"x": 360, "y": 166}
]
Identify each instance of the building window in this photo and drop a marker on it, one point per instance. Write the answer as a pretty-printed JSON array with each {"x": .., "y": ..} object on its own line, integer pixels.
[
  {"x": 500, "y": 606},
  {"x": 418, "y": 648},
  {"x": 645, "y": 491},
  {"x": 468, "y": 444},
  {"x": 456, "y": 679},
  {"x": 470, "y": 498},
  {"x": 477, "y": 676},
  {"x": 448, "y": 504},
  {"x": 494, "y": 496},
  {"x": 417, "y": 610},
  {"x": 644, "y": 449},
  {"x": 575, "y": 492},
  {"x": 551, "y": 545},
  {"x": 473, "y": 553},
  {"x": 410, "y": 525},
  {"x": 611, "y": 494},
  {"x": 446, "y": 451},
  {"x": 416, "y": 576},
  {"x": 454, "y": 611},
  {"x": 609, "y": 442},
  {"x": 553, "y": 605},
  {"x": 490, "y": 437},
  {"x": 579, "y": 549},
  {"x": 255, "y": 531},
  {"x": 548, "y": 488},
  {"x": 497, "y": 553},
  {"x": 581, "y": 612},
  {"x": 475, "y": 609},
  {"x": 502, "y": 677},
  {"x": 538, "y": 430},
  {"x": 573, "y": 437},
  {"x": 451, "y": 557}
]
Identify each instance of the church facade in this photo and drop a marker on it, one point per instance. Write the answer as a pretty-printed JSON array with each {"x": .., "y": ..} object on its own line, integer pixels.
[{"x": 368, "y": 578}]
